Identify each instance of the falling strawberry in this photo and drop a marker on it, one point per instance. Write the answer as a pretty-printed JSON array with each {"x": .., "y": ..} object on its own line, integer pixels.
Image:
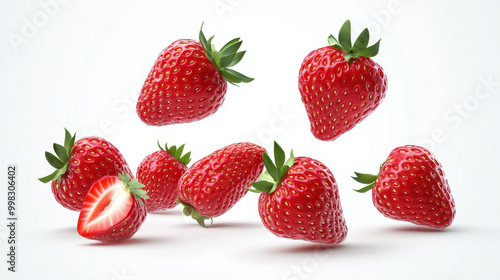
[
  {"x": 113, "y": 209},
  {"x": 340, "y": 85},
  {"x": 300, "y": 200},
  {"x": 78, "y": 165},
  {"x": 160, "y": 172},
  {"x": 214, "y": 184},
  {"x": 188, "y": 81},
  {"x": 411, "y": 186}
]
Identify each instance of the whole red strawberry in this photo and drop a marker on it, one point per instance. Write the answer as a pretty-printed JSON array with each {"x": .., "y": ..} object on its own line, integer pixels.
[
  {"x": 78, "y": 165},
  {"x": 188, "y": 81},
  {"x": 214, "y": 184},
  {"x": 160, "y": 172},
  {"x": 411, "y": 186},
  {"x": 340, "y": 85},
  {"x": 300, "y": 199},
  {"x": 113, "y": 209}
]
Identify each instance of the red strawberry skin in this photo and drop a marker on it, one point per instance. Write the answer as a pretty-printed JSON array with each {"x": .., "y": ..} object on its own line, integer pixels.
[
  {"x": 118, "y": 227},
  {"x": 214, "y": 184},
  {"x": 306, "y": 205},
  {"x": 183, "y": 86},
  {"x": 338, "y": 95},
  {"x": 160, "y": 173},
  {"x": 412, "y": 186},
  {"x": 91, "y": 158}
]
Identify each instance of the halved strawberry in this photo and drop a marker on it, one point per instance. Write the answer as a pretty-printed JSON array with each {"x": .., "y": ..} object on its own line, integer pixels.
[{"x": 113, "y": 209}]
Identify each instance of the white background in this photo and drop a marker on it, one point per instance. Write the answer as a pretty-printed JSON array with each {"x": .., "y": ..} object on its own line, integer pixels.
[{"x": 81, "y": 66}]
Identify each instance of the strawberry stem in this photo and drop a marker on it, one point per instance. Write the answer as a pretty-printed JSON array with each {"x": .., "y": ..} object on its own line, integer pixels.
[{"x": 189, "y": 210}]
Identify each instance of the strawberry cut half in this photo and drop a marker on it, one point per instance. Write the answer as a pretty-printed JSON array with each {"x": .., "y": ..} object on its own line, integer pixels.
[{"x": 113, "y": 209}]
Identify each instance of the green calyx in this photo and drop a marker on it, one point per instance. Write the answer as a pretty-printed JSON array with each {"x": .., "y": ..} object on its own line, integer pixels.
[
  {"x": 365, "y": 179},
  {"x": 177, "y": 153},
  {"x": 59, "y": 161},
  {"x": 227, "y": 57},
  {"x": 190, "y": 211},
  {"x": 360, "y": 47},
  {"x": 271, "y": 178},
  {"x": 134, "y": 187}
]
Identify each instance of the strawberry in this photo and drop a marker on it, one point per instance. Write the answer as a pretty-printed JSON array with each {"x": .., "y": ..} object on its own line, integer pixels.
[
  {"x": 214, "y": 184},
  {"x": 188, "y": 81},
  {"x": 411, "y": 186},
  {"x": 300, "y": 200},
  {"x": 160, "y": 172},
  {"x": 340, "y": 85},
  {"x": 113, "y": 209},
  {"x": 78, "y": 165}
]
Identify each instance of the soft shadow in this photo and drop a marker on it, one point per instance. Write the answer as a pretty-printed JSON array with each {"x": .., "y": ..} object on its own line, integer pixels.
[
  {"x": 424, "y": 229},
  {"x": 65, "y": 231},
  {"x": 235, "y": 225},
  {"x": 294, "y": 251},
  {"x": 309, "y": 248},
  {"x": 129, "y": 242},
  {"x": 166, "y": 213},
  {"x": 62, "y": 233}
]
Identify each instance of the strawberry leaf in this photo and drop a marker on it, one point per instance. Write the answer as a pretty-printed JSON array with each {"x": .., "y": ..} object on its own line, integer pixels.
[
  {"x": 279, "y": 156},
  {"x": 233, "y": 48},
  {"x": 203, "y": 40},
  {"x": 54, "y": 161},
  {"x": 266, "y": 176},
  {"x": 61, "y": 152},
  {"x": 365, "y": 189},
  {"x": 49, "y": 177},
  {"x": 172, "y": 150},
  {"x": 240, "y": 77},
  {"x": 364, "y": 178},
  {"x": 186, "y": 158},
  {"x": 361, "y": 42},
  {"x": 345, "y": 35},
  {"x": 332, "y": 41},
  {"x": 178, "y": 153},
  {"x": 226, "y": 60},
  {"x": 237, "y": 58},
  {"x": 271, "y": 168},
  {"x": 69, "y": 140},
  {"x": 371, "y": 51},
  {"x": 263, "y": 186},
  {"x": 228, "y": 44},
  {"x": 291, "y": 160}
]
